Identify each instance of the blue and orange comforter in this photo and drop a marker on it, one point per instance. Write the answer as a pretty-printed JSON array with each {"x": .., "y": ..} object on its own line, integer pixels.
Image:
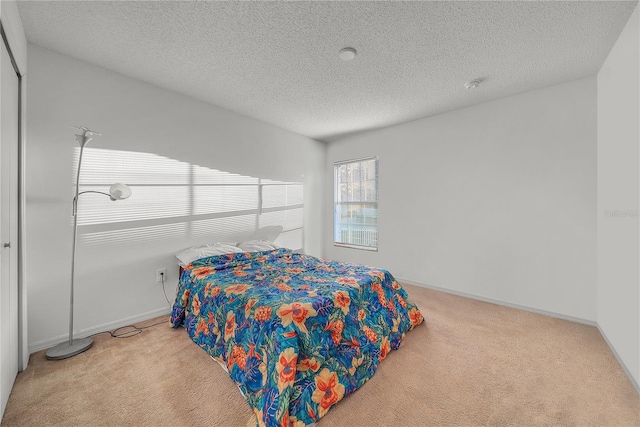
[{"x": 295, "y": 332}]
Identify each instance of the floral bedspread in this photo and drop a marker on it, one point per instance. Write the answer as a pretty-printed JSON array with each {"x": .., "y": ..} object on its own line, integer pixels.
[{"x": 296, "y": 333}]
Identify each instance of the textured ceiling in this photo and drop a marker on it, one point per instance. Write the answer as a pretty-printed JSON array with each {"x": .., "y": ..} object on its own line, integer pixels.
[{"x": 278, "y": 61}]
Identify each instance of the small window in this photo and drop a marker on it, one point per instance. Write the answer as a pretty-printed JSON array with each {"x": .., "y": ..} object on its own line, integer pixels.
[{"x": 356, "y": 204}]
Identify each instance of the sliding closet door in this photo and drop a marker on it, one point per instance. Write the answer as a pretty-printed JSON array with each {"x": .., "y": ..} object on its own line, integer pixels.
[{"x": 9, "y": 118}]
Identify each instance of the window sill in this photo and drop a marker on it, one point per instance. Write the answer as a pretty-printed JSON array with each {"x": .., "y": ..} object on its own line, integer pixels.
[{"x": 362, "y": 248}]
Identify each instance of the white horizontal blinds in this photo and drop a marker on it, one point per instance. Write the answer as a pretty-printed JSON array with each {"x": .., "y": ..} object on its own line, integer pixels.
[
  {"x": 210, "y": 199},
  {"x": 150, "y": 202},
  {"x": 101, "y": 164},
  {"x": 356, "y": 203},
  {"x": 224, "y": 229},
  {"x": 160, "y": 185},
  {"x": 207, "y": 176},
  {"x": 291, "y": 221},
  {"x": 118, "y": 236},
  {"x": 185, "y": 200},
  {"x": 282, "y": 204},
  {"x": 276, "y": 194}
]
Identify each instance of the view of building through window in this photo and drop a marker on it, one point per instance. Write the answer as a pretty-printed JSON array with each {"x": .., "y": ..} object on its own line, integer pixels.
[{"x": 356, "y": 203}]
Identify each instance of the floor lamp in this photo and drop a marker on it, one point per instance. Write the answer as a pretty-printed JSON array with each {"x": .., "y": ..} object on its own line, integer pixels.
[{"x": 116, "y": 192}]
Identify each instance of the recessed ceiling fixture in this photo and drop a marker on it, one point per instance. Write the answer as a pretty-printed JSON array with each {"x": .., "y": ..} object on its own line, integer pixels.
[
  {"x": 348, "y": 53},
  {"x": 472, "y": 84}
]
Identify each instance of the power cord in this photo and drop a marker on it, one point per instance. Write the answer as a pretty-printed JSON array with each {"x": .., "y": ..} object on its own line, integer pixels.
[
  {"x": 135, "y": 330},
  {"x": 163, "y": 290}
]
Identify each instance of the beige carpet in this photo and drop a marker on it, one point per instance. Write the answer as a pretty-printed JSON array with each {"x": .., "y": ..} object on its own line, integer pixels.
[{"x": 473, "y": 363}]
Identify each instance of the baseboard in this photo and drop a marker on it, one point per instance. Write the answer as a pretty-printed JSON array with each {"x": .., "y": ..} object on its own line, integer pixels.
[
  {"x": 532, "y": 310},
  {"x": 500, "y": 302},
  {"x": 44, "y": 344},
  {"x": 624, "y": 367}
]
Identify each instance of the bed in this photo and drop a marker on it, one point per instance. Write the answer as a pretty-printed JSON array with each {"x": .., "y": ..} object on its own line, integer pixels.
[{"x": 296, "y": 333}]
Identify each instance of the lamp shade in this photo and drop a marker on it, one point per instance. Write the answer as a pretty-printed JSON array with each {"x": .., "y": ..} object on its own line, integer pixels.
[{"x": 119, "y": 191}]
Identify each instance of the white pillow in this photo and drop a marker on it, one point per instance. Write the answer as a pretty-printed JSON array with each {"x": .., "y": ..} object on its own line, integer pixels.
[
  {"x": 187, "y": 256},
  {"x": 257, "y": 246}
]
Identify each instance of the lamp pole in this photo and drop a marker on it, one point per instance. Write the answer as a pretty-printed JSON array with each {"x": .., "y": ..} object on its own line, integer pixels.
[
  {"x": 116, "y": 192},
  {"x": 71, "y": 348},
  {"x": 83, "y": 140}
]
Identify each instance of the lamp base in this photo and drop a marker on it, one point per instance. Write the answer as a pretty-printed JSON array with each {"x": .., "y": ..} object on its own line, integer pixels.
[{"x": 64, "y": 350}]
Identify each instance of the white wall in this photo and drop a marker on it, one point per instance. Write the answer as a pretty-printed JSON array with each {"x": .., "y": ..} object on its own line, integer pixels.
[
  {"x": 496, "y": 200},
  {"x": 619, "y": 198},
  {"x": 115, "y": 281}
]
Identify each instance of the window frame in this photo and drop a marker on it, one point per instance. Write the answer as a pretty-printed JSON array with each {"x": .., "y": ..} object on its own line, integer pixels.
[{"x": 336, "y": 204}]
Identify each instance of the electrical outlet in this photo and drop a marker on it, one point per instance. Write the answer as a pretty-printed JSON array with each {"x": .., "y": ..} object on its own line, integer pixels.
[{"x": 160, "y": 273}]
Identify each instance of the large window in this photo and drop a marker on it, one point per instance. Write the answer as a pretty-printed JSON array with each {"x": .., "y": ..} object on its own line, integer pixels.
[{"x": 356, "y": 204}]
